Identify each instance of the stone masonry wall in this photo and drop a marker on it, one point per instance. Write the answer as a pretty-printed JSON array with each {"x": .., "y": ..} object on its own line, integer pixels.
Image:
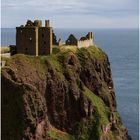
[
  {"x": 45, "y": 40},
  {"x": 85, "y": 43},
  {"x": 27, "y": 40}
]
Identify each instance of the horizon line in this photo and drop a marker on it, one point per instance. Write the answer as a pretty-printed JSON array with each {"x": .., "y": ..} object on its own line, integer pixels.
[{"x": 81, "y": 28}]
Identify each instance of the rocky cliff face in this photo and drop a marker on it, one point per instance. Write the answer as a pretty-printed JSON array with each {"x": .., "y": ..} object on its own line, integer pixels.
[{"x": 68, "y": 95}]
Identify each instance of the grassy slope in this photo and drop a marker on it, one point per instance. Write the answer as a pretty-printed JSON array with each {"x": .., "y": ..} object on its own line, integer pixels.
[
  {"x": 101, "y": 117},
  {"x": 58, "y": 135}
]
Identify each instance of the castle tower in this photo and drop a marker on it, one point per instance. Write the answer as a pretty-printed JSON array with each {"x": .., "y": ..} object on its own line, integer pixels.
[
  {"x": 47, "y": 23},
  {"x": 45, "y": 39},
  {"x": 33, "y": 39},
  {"x": 38, "y": 23},
  {"x": 27, "y": 40},
  {"x": 90, "y": 35}
]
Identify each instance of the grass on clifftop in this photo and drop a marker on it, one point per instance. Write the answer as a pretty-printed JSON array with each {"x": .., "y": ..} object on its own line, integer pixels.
[
  {"x": 4, "y": 50},
  {"x": 60, "y": 53},
  {"x": 91, "y": 52}
]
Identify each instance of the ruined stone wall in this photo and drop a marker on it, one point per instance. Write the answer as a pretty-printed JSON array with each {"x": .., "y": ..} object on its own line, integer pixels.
[
  {"x": 33, "y": 39},
  {"x": 45, "y": 40},
  {"x": 72, "y": 40},
  {"x": 27, "y": 40},
  {"x": 85, "y": 43}
]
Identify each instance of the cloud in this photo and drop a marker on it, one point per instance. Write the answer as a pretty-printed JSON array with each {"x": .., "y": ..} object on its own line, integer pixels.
[
  {"x": 62, "y": 10},
  {"x": 48, "y": 5},
  {"x": 80, "y": 6}
]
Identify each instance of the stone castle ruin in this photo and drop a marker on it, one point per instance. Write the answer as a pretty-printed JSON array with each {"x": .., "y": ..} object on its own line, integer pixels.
[
  {"x": 34, "y": 39},
  {"x": 85, "y": 41}
]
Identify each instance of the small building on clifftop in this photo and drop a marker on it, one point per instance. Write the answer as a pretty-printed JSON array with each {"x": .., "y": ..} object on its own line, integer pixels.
[{"x": 85, "y": 41}]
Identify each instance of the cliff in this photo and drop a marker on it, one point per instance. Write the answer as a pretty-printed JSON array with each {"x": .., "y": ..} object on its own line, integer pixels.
[{"x": 67, "y": 95}]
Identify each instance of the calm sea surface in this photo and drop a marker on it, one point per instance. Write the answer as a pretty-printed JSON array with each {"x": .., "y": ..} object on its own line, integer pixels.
[{"x": 121, "y": 45}]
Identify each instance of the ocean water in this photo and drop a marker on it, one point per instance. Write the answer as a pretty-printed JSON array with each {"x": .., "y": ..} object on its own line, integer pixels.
[{"x": 122, "y": 47}]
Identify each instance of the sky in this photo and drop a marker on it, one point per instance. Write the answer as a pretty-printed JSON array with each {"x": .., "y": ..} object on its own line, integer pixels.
[{"x": 72, "y": 13}]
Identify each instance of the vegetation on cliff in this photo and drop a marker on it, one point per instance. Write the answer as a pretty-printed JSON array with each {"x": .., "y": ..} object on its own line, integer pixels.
[
  {"x": 67, "y": 95},
  {"x": 4, "y": 50}
]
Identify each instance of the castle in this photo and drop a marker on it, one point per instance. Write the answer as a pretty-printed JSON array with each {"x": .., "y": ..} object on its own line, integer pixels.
[
  {"x": 34, "y": 39},
  {"x": 85, "y": 41}
]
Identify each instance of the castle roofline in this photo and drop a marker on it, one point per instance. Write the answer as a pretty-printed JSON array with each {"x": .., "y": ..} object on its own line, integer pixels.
[
  {"x": 35, "y": 23},
  {"x": 26, "y": 27}
]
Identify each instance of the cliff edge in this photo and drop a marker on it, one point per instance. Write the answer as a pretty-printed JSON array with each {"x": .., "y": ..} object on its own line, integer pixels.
[{"x": 67, "y": 95}]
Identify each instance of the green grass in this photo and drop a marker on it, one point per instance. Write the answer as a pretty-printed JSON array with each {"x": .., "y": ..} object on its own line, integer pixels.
[
  {"x": 30, "y": 62},
  {"x": 99, "y": 104},
  {"x": 102, "y": 114},
  {"x": 4, "y": 58},
  {"x": 55, "y": 135},
  {"x": 91, "y": 52},
  {"x": 96, "y": 52},
  {"x": 55, "y": 50},
  {"x": 53, "y": 60},
  {"x": 39, "y": 63},
  {"x": 4, "y": 50}
]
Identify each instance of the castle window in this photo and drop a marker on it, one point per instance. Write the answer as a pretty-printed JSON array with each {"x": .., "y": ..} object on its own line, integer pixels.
[
  {"x": 42, "y": 35},
  {"x": 21, "y": 31},
  {"x": 30, "y": 39},
  {"x": 26, "y": 50},
  {"x": 44, "y": 42}
]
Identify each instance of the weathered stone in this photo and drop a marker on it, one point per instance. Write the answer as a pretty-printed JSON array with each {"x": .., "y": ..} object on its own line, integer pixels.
[{"x": 33, "y": 39}]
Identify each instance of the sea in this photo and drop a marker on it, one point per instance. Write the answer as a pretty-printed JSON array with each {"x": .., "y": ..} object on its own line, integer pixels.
[{"x": 122, "y": 48}]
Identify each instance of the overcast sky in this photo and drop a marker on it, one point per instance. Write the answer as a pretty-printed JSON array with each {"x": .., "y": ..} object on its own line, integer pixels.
[{"x": 72, "y": 13}]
